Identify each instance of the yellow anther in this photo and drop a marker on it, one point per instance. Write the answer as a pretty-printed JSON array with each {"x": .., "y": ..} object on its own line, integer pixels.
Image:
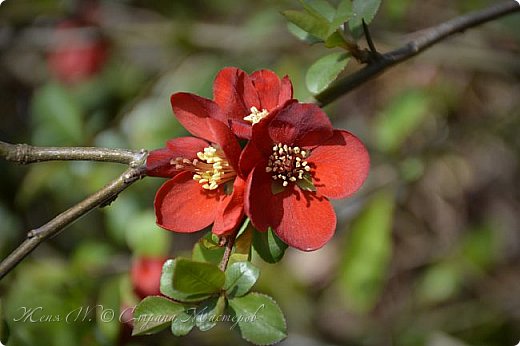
[{"x": 255, "y": 116}]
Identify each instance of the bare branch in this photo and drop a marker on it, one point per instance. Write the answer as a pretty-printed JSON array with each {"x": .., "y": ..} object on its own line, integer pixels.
[
  {"x": 428, "y": 37},
  {"x": 100, "y": 198},
  {"x": 24, "y": 154}
]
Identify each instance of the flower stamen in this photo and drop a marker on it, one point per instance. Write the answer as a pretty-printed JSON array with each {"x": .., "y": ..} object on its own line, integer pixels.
[
  {"x": 256, "y": 115},
  {"x": 211, "y": 169},
  {"x": 288, "y": 164}
]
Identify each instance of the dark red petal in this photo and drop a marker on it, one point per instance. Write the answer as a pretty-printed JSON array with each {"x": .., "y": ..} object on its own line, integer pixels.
[
  {"x": 249, "y": 158},
  {"x": 182, "y": 205},
  {"x": 234, "y": 92},
  {"x": 304, "y": 220},
  {"x": 231, "y": 211},
  {"x": 340, "y": 165},
  {"x": 303, "y": 124},
  {"x": 199, "y": 116},
  {"x": 241, "y": 129},
  {"x": 267, "y": 85},
  {"x": 286, "y": 91},
  {"x": 158, "y": 161}
]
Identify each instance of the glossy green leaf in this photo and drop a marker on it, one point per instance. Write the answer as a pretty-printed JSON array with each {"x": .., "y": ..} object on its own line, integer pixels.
[
  {"x": 402, "y": 117},
  {"x": 314, "y": 25},
  {"x": 205, "y": 250},
  {"x": 268, "y": 246},
  {"x": 242, "y": 248},
  {"x": 154, "y": 314},
  {"x": 189, "y": 281},
  {"x": 319, "y": 8},
  {"x": 362, "y": 9},
  {"x": 183, "y": 323},
  {"x": 58, "y": 117},
  {"x": 259, "y": 318},
  {"x": 335, "y": 40},
  {"x": 302, "y": 35},
  {"x": 367, "y": 254},
  {"x": 343, "y": 13},
  {"x": 325, "y": 70},
  {"x": 209, "y": 313},
  {"x": 240, "y": 278}
]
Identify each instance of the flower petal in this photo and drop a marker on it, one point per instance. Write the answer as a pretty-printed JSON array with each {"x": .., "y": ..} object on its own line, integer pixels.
[
  {"x": 158, "y": 161},
  {"x": 199, "y": 116},
  {"x": 286, "y": 90},
  {"x": 234, "y": 92},
  {"x": 269, "y": 89},
  {"x": 182, "y": 205},
  {"x": 231, "y": 210},
  {"x": 302, "y": 219},
  {"x": 340, "y": 165}
]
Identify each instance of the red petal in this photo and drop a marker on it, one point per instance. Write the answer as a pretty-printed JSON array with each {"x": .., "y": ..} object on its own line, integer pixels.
[
  {"x": 182, "y": 205},
  {"x": 286, "y": 91},
  {"x": 158, "y": 161},
  {"x": 340, "y": 165},
  {"x": 267, "y": 85},
  {"x": 302, "y": 219},
  {"x": 234, "y": 92},
  {"x": 231, "y": 210},
  {"x": 303, "y": 124},
  {"x": 249, "y": 158},
  {"x": 199, "y": 116}
]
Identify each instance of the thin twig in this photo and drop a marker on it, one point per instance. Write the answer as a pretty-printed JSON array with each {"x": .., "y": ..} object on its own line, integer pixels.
[
  {"x": 428, "y": 38},
  {"x": 101, "y": 198},
  {"x": 24, "y": 154},
  {"x": 230, "y": 242}
]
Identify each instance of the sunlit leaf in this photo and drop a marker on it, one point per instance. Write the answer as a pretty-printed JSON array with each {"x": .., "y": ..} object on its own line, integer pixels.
[
  {"x": 325, "y": 70},
  {"x": 268, "y": 246},
  {"x": 240, "y": 278},
  {"x": 209, "y": 312},
  {"x": 154, "y": 314},
  {"x": 367, "y": 254},
  {"x": 314, "y": 25},
  {"x": 183, "y": 322},
  {"x": 319, "y": 8},
  {"x": 362, "y": 10},
  {"x": 259, "y": 318},
  {"x": 206, "y": 250}
]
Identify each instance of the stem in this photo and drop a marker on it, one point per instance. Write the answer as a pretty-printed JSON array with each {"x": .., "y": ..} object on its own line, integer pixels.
[
  {"x": 101, "y": 198},
  {"x": 428, "y": 38},
  {"x": 24, "y": 154},
  {"x": 227, "y": 252}
]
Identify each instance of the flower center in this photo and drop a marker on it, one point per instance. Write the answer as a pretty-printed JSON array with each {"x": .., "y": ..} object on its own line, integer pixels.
[
  {"x": 256, "y": 115},
  {"x": 211, "y": 169},
  {"x": 288, "y": 164}
]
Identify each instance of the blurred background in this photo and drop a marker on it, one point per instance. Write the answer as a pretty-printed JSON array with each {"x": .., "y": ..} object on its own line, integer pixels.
[{"x": 427, "y": 253}]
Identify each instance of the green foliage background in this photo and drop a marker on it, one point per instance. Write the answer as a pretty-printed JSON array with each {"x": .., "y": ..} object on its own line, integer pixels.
[{"x": 427, "y": 253}]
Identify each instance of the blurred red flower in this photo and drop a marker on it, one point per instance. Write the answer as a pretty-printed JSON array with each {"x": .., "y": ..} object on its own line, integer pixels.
[
  {"x": 145, "y": 275},
  {"x": 295, "y": 162}
]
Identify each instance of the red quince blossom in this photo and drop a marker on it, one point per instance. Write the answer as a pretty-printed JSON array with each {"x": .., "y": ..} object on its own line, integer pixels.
[
  {"x": 205, "y": 186},
  {"x": 295, "y": 162},
  {"x": 145, "y": 275},
  {"x": 77, "y": 52},
  {"x": 246, "y": 99}
]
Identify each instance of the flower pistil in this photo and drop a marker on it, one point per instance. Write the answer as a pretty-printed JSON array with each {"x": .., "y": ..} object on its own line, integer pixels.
[
  {"x": 256, "y": 115},
  {"x": 288, "y": 164}
]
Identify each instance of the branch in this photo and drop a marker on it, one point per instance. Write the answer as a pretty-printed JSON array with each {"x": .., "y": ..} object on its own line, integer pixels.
[
  {"x": 24, "y": 154},
  {"x": 103, "y": 197},
  {"x": 428, "y": 38}
]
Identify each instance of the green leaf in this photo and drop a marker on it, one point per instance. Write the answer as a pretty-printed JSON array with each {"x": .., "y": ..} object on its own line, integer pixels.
[
  {"x": 319, "y": 8},
  {"x": 58, "y": 117},
  {"x": 367, "y": 254},
  {"x": 336, "y": 40},
  {"x": 242, "y": 249},
  {"x": 109, "y": 300},
  {"x": 402, "y": 117},
  {"x": 209, "y": 312},
  {"x": 324, "y": 71},
  {"x": 268, "y": 246},
  {"x": 259, "y": 318},
  {"x": 314, "y": 25},
  {"x": 362, "y": 9},
  {"x": 343, "y": 13},
  {"x": 183, "y": 323},
  {"x": 206, "y": 251},
  {"x": 306, "y": 183},
  {"x": 189, "y": 281},
  {"x": 240, "y": 278},
  {"x": 302, "y": 35},
  {"x": 155, "y": 313}
]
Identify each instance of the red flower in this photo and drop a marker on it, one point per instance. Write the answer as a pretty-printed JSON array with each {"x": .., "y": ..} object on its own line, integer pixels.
[
  {"x": 77, "y": 52},
  {"x": 297, "y": 161},
  {"x": 245, "y": 99},
  {"x": 205, "y": 187},
  {"x": 146, "y": 276}
]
